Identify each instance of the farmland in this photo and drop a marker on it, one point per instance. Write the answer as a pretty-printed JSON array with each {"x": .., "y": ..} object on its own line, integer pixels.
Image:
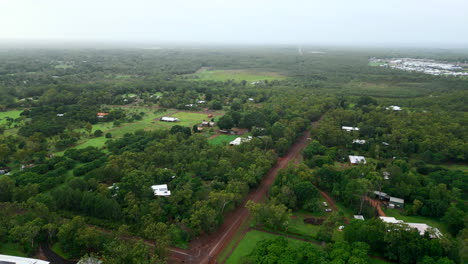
[{"x": 236, "y": 75}]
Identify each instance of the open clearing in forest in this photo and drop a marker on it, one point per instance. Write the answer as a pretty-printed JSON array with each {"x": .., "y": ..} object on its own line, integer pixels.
[
  {"x": 236, "y": 75},
  {"x": 11, "y": 114},
  {"x": 251, "y": 238},
  {"x": 222, "y": 140},
  {"x": 150, "y": 121}
]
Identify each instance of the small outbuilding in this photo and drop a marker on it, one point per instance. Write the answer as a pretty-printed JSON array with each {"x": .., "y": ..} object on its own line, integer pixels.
[{"x": 359, "y": 217}]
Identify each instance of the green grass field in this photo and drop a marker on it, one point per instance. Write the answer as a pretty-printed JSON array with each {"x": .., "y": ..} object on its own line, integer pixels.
[
  {"x": 461, "y": 167},
  {"x": 249, "y": 241},
  {"x": 189, "y": 119},
  {"x": 11, "y": 114},
  {"x": 237, "y": 75},
  {"x": 222, "y": 140},
  {"x": 150, "y": 121},
  {"x": 12, "y": 249}
]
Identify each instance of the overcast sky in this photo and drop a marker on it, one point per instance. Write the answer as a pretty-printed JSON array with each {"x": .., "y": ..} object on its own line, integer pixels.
[{"x": 342, "y": 22}]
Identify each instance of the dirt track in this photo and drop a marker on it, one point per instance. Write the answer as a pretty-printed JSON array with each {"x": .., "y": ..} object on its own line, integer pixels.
[
  {"x": 206, "y": 248},
  {"x": 376, "y": 204}
]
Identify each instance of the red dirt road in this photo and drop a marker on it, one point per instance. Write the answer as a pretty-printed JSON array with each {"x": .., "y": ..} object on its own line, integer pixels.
[
  {"x": 376, "y": 204},
  {"x": 206, "y": 248}
]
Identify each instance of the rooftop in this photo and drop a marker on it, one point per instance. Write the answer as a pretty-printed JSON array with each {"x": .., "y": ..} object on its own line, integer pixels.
[
  {"x": 357, "y": 159},
  {"x": 5, "y": 259},
  {"x": 161, "y": 190}
]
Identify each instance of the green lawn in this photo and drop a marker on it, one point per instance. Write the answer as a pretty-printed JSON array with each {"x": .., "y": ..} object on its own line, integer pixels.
[
  {"x": 416, "y": 219},
  {"x": 249, "y": 241},
  {"x": 12, "y": 114},
  {"x": 189, "y": 119},
  {"x": 222, "y": 139},
  {"x": 150, "y": 121},
  {"x": 237, "y": 75},
  {"x": 12, "y": 249}
]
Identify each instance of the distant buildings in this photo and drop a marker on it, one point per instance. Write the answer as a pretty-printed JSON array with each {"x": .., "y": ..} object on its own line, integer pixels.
[
  {"x": 394, "y": 108},
  {"x": 347, "y": 128},
  {"x": 426, "y": 66},
  {"x": 102, "y": 115},
  {"x": 393, "y": 202},
  {"x": 359, "y": 141}
]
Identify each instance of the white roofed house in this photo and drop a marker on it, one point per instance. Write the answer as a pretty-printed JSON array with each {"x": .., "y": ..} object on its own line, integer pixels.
[
  {"x": 354, "y": 160},
  {"x": 359, "y": 141},
  {"x": 240, "y": 140},
  {"x": 394, "y": 108},
  {"x": 169, "y": 119},
  {"x": 6, "y": 259},
  {"x": 348, "y": 128},
  {"x": 161, "y": 190}
]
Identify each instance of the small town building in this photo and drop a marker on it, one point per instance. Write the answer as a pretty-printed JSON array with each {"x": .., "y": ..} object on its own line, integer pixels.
[
  {"x": 60, "y": 115},
  {"x": 207, "y": 124},
  {"x": 359, "y": 141},
  {"x": 397, "y": 202},
  {"x": 201, "y": 102},
  {"x": 251, "y": 100},
  {"x": 359, "y": 217},
  {"x": 102, "y": 115},
  {"x": 6, "y": 259},
  {"x": 169, "y": 119},
  {"x": 348, "y": 128},
  {"x": 161, "y": 190},
  {"x": 355, "y": 160},
  {"x": 394, "y": 108}
]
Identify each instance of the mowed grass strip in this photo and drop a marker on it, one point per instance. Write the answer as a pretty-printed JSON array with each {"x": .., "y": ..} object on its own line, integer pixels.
[
  {"x": 250, "y": 240},
  {"x": 237, "y": 75},
  {"x": 12, "y": 249},
  {"x": 222, "y": 140}
]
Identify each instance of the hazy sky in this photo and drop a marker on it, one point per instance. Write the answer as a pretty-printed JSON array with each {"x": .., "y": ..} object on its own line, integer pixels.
[{"x": 304, "y": 22}]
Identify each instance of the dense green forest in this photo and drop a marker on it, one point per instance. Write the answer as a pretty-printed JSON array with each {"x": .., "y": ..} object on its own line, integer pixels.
[{"x": 81, "y": 143}]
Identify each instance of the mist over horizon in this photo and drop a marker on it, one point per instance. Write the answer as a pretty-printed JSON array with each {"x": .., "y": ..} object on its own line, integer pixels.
[{"x": 142, "y": 23}]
